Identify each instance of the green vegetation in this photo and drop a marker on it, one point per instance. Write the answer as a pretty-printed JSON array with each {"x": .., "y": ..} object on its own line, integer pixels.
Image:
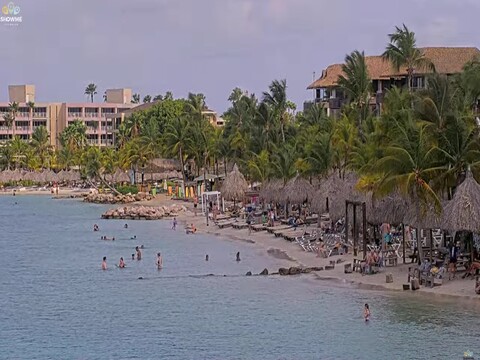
[
  {"x": 421, "y": 144},
  {"x": 124, "y": 190}
]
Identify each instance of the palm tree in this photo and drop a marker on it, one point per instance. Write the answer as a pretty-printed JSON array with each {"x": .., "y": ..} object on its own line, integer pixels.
[
  {"x": 177, "y": 139},
  {"x": 74, "y": 136},
  {"x": 31, "y": 106},
  {"x": 147, "y": 99},
  {"x": 13, "y": 109},
  {"x": 8, "y": 120},
  {"x": 356, "y": 83},
  {"x": 91, "y": 90},
  {"x": 19, "y": 151},
  {"x": 134, "y": 122},
  {"x": 277, "y": 98},
  {"x": 158, "y": 97},
  {"x": 136, "y": 98},
  {"x": 402, "y": 51},
  {"x": 40, "y": 143}
]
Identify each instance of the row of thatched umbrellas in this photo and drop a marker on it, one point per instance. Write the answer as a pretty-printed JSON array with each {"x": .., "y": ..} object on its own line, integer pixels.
[
  {"x": 462, "y": 213},
  {"x": 44, "y": 176}
]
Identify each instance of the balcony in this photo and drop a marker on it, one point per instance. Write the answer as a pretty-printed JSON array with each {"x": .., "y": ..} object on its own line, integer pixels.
[
  {"x": 41, "y": 115},
  {"x": 74, "y": 114}
]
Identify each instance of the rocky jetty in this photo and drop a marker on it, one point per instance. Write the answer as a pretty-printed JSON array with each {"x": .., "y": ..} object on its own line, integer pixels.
[
  {"x": 144, "y": 212},
  {"x": 116, "y": 199}
]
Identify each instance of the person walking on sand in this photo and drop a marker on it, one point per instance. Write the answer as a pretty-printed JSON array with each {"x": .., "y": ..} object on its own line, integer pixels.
[
  {"x": 139, "y": 253},
  {"x": 366, "y": 312},
  {"x": 174, "y": 224},
  {"x": 104, "y": 263},
  {"x": 159, "y": 261},
  {"x": 121, "y": 264},
  {"x": 195, "y": 204}
]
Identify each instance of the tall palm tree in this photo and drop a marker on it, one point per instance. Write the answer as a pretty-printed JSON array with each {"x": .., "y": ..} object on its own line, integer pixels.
[
  {"x": 74, "y": 136},
  {"x": 31, "y": 107},
  {"x": 8, "y": 120},
  {"x": 40, "y": 143},
  {"x": 91, "y": 91},
  {"x": 13, "y": 109},
  {"x": 147, "y": 99},
  {"x": 356, "y": 83},
  {"x": 177, "y": 139},
  {"x": 402, "y": 51},
  {"x": 277, "y": 98},
  {"x": 135, "y": 98},
  {"x": 158, "y": 97}
]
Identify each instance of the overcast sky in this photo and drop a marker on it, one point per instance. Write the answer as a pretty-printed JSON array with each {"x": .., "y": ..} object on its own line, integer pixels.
[{"x": 208, "y": 46}]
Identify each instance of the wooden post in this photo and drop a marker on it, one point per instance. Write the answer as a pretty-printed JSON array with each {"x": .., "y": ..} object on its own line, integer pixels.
[
  {"x": 346, "y": 222},
  {"x": 431, "y": 245},
  {"x": 403, "y": 241},
  {"x": 364, "y": 215},
  {"x": 355, "y": 232}
]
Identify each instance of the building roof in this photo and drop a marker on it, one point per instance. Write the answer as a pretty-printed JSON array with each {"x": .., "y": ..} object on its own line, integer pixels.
[{"x": 447, "y": 60}]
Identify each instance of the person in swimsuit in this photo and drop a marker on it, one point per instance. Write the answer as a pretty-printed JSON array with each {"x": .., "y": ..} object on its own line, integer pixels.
[
  {"x": 159, "y": 261},
  {"x": 139, "y": 253},
  {"x": 104, "y": 263},
  {"x": 125, "y": 226},
  {"x": 121, "y": 264},
  {"x": 174, "y": 224},
  {"x": 95, "y": 227},
  {"x": 238, "y": 256},
  {"x": 366, "y": 312},
  {"x": 133, "y": 256}
]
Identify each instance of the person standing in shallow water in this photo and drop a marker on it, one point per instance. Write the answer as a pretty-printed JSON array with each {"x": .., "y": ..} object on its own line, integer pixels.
[
  {"x": 238, "y": 256},
  {"x": 104, "y": 263},
  {"x": 159, "y": 260},
  {"x": 121, "y": 264},
  {"x": 366, "y": 312},
  {"x": 174, "y": 224},
  {"x": 139, "y": 253},
  {"x": 206, "y": 257}
]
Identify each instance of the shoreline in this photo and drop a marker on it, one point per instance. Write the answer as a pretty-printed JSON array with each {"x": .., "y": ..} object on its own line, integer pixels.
[{"x": 288, "y": 254}]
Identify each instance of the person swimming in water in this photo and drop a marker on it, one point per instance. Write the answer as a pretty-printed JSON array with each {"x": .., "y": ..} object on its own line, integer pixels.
[
  {"x": 366, "y": 312},
  {"x": 139, "y": 253},
  {"x": 159, "y": 261},
  {"x": 104, "y": 263},
  {"x": 133, "y": 256},
  {"x": 125, "y": 226},
  {"x": 133, "y": 237},
  {"x": 238, "y": 256},
  {"x": 95, "y": 227},
  {"x": 206, "y": 257},
  {"x": 121, "y": 264}
]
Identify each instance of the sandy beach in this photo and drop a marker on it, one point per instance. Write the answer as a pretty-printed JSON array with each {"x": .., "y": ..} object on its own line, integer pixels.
[{"x": 291, "y": 254}]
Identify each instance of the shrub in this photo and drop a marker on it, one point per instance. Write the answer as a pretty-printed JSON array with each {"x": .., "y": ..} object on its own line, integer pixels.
[{"x": 125, "y": 189}]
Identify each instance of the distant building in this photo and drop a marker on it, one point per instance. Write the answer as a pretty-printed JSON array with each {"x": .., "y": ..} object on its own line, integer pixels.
[
  {"x": 213, "y": 118},
  {"x": 447, "y": 60},
  {"x": 55, "y": 116}
]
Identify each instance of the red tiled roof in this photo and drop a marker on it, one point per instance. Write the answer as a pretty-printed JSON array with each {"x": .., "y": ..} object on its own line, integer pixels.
[{"x": 447, "y": 60}]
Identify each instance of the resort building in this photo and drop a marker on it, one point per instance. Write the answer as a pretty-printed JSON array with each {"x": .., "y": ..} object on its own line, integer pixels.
[
  {"x": 447, "y": 60},
  {"x": 56, "y": 116},
  {"x": 213, "y": 118}
]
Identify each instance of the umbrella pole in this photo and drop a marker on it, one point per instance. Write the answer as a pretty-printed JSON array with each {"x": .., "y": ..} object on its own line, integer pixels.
[
  {"x": 355, "y": 232},
  {"x": 403, "y": 242},
  {"x": 431, "y": 245},
  {"x": 346, "y": 224},
  {"x": 364, "y": 208}
]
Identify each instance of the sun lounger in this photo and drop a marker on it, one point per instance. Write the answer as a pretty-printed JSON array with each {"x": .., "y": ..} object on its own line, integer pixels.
[
  {"x": 259, "y": 227},
  {"x": 240, "y": 225},
  {"x": 272, "y": 229},
  {"x": 280, "y": 232},
  {"x": 224, "y": 224}
]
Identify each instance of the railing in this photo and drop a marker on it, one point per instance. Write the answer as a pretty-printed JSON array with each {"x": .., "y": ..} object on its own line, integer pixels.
[
  {"x": 40, "y": 115},
  {"x": 91, "y": 114},
  {"x": 74, "y": 114}
]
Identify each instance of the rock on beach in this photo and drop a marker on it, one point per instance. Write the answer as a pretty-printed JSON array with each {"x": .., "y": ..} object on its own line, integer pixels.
[{"x": 143, "y": 212}]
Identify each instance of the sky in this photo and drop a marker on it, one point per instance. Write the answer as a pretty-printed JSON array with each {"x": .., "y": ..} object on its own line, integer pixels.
[{"x": 208, "y": 46}]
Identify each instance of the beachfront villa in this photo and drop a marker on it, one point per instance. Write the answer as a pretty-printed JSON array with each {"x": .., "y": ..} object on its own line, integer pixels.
[
  {"x": 447, "y": 61},
  {"x": 55, "y": 116}
]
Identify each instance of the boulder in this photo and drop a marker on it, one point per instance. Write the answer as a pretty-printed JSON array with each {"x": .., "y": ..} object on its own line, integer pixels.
[
  {"x": 249, "y": 273},
  {"x": 389, "y": 278},
  {"x": 294, "y": 270},
  {"x": 317, "y": 268},
  {"x": 329, "y": 267},
  {"x": 283, "y": 271},
  {"x": 415, "y": 284},
  {"x": 348, "y": 268},
  {"x": 306, "y": 270},
  {"x": 264, "y": 272}
]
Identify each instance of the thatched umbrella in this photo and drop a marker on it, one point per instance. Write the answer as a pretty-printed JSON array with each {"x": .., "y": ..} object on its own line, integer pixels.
[
  {"x": 338, "y": 191},
  {"x": 463, "y": 211},
  {"x": 390, "y": 209},
  {"x": 234, "y": 186},
  {"x": 270, "y": 191},
  {"x": 298, "y": 190}
]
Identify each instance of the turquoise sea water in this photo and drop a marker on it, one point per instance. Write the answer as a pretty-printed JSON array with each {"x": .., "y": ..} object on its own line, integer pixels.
[{"x": 56, "y": 303}]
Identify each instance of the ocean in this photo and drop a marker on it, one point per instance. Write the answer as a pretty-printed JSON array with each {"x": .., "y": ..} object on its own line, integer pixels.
[{"x": 57, "y": 303}]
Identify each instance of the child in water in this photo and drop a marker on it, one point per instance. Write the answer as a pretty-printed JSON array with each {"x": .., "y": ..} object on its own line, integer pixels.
[
  {"x": 159, "y": 261},
  {"x": 366, "y": 312},
  {"x": 104, "y": 263}
]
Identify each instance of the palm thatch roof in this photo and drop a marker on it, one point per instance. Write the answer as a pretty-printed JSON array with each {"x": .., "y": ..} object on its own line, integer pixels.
[
  {"x": 338, "y": 190},
  {"x": 298, "y": 190},
  {"x": 234, "y": 185},
  {"x": 426, "y": 218},
  {"x": 463, "y": 211},
  {"x": 389, "y": 209},
  {"x": 271, "y": 190}
]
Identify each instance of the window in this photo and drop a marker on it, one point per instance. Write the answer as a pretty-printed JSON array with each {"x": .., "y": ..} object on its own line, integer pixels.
[{"x": 418, "y": 82}]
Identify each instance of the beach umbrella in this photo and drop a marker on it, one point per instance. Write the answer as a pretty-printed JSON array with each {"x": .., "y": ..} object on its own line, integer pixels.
[
  {"x": 270, "y": 190},
  {"x": 298, "y": 190},
  {"x": 234, "y": 186},
  {"x": 463, "y": 211},
  {"x": 338, "y": 190},
  {"x": 390, "y": 209}
]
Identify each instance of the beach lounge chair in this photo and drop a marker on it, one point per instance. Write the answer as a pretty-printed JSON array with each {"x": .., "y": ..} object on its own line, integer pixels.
[
  {"x": 272, "y": 229},
  {"x": 259, "y": 227},
  {"x": 224, "y": 224},
  {"x": 240, "y": 225},
  {"x": 280, "y": 232}
]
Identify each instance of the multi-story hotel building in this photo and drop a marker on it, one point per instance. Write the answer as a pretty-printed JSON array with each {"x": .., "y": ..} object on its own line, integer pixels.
[
  {"x": 447, "y": 60},
  {"x": 56, "y": 116}
]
